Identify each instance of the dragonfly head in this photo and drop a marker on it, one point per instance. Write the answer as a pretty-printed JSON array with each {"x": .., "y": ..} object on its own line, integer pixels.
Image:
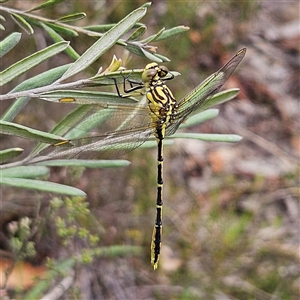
[{"x": 154, "y": 72}]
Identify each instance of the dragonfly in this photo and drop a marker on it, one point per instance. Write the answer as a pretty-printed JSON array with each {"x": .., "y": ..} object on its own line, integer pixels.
[{"x": 127, "y": 126}]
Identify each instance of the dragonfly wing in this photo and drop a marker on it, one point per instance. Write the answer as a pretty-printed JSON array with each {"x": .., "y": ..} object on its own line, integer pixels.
[
  {"x": 105, "y": 132},
  {"x": 101, "y": 146},
  {"x": 204, "y": 91}
]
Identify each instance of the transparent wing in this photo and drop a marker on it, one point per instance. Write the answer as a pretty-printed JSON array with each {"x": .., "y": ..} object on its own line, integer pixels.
[
  {"x": 204, "y": 91},
  {"x": 116, "y": 129},
  {"x": 106, "y": 131}
]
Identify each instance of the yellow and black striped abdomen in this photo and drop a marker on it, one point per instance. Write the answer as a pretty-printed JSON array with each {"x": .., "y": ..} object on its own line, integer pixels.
[{"x": 162, "y": 106}]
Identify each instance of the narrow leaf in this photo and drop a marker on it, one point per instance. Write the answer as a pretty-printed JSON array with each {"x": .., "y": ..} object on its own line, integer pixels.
[
  {"x": 85, "y": 163},
  {"x": 9, "y": 42},
  {"x": 162, "y": 57},
  {"x": 60, "y": 129},
  {"x": 102, "y": 28},
  {"x": 105, "y": 42},
  {"x": 58, "y": 38},
  {"x": 85, "y": 97},
  {"x": 23, "y": 23},
  {"x": 41, "y": 185},
  {"x": 137, "y": 33},
  {"x": 150, "y": 56},
  {"x": 48, "y": 3},
  {"x": 29, "y": 133},
  {"x": 25, "y": 172},
  {"x": 61, "y": 29},
  {"x": 153, "y": 143},
  {"x": 220, "y": 97},
  {"x": 230, "y": 138},
  {"x": 147, "y": 4},
  {"x": 99, "y": 28},
  {"x": 42, "y": 79},
  {"x": 9, "y": 154},
  {"x": 200, "y": 118},
  {"x": 153, "y": 37},
  {"x": 168, "y": 33},
  {"x": 144, "y": 53},
  {"x": 15, "y": 108},
  {"x": 72, "y": 17},
  {"x": 31, "y": 61}
]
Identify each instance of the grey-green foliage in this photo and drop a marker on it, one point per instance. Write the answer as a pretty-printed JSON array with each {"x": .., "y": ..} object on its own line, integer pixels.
[
  {"x": 49, "y": 83},
  {"x": 50, "y": 86}
]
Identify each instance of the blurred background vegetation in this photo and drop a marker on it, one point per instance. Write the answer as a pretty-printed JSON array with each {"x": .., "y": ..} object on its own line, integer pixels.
[{"x": 231, "y": 211}]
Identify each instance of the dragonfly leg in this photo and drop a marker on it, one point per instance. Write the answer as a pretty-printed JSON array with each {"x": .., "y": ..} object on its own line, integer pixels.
[{"x": 139, "y": 85}]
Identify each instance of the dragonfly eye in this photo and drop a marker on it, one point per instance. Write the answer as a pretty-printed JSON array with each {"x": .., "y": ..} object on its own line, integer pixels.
[
  {"x": 149, "y": 74},
  {"x": 163, "y": 71}
]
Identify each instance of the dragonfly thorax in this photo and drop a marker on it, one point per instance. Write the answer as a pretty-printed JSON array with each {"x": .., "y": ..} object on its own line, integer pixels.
[{"x": 161, "y": 102}]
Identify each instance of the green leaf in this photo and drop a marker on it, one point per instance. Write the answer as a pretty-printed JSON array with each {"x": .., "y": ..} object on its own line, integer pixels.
[
  {"x": 9, "y": 42},
  {"x": 102, "y": 28},
  {"x": 61, "y": 29},
  {"x": 28, "y": 133},
  {"x": 135, "y": 49},
  {"x": 23, "y": 23},
  {"x": 58, "y": 38},
  {"x": 25, "y": 172},
  {"x": 72, "y": 119},
  {"x": 147, "y": 4},
  {"x": 65, "y": 124},
  {"x": 41, "y": 185},
  {"x": 230, "y": 138},
  {"x": 48, "y": 3},
  {"x": 9, "y": 154},
  {"x": 220, "y": 97},
  {"x": 31, "y": 61},
  {"x": 150, "y": 56},
  {"x": 87, "y": 124},
  {"x": 72, "y": 17},
  {"x": 153, "y": 37},
  {"x": 137, "y": 33},
  {"x": 105, "y": 42},
  {"x": 162, "y": 57},
  {"x": 200, "y": 118},
  {"x": 40, "y": 80},
  {"x": 85, "y": 163},
  {"x": 152, "y": 143},
  {"x": 167, "y": 34},
  {"x": 15, "y": 108},
  {"x": 85, "y": 97}
]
